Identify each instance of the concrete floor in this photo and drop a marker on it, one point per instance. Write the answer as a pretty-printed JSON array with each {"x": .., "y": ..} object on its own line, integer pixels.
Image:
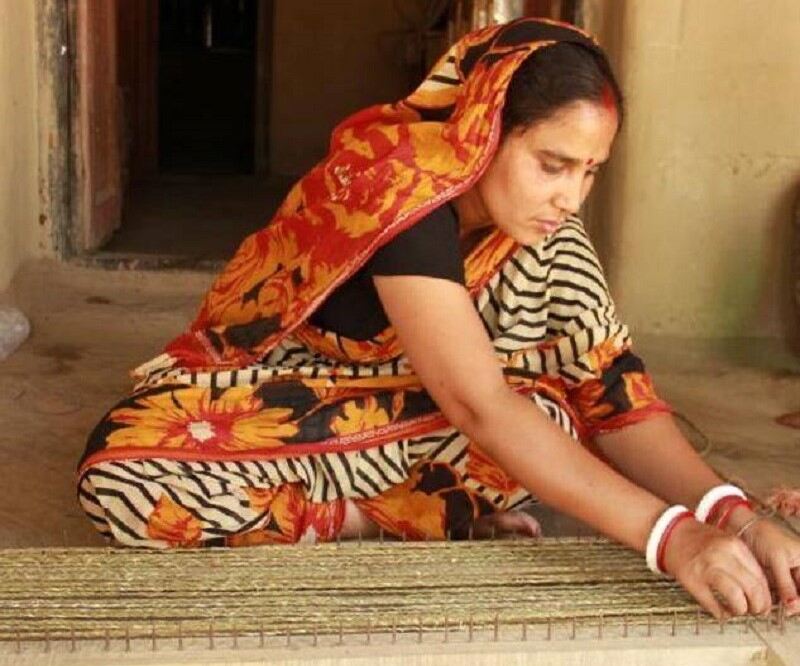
[{"x": 91, "y": 326}]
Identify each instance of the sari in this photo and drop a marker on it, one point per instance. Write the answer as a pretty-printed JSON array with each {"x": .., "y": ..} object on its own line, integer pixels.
[{"x": 255, "y": 426}]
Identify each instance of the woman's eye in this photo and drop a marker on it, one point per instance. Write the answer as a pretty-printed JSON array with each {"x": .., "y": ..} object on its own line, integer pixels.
[{"x": 552, "y": 169}]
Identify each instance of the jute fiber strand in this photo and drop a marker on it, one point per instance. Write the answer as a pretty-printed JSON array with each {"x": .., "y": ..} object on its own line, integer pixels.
[{"x": 327, "y": 588}]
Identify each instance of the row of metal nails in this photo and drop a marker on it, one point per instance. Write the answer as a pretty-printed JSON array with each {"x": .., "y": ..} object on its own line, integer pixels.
[{"x": 367, "y": 633}]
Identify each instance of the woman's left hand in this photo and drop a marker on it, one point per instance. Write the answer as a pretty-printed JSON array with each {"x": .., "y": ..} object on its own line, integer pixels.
[{"x": 778, "y": 552}]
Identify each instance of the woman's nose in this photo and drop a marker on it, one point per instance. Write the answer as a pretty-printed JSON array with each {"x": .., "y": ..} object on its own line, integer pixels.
[{"x": 570, "y": 196}]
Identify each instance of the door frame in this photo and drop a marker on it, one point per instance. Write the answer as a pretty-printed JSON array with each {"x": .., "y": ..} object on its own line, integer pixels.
[
  {"x": 56, "y": 84},
  {"x": 64, "y": 147},
  {"x": 64, "y": 197},
  {"x": 97, "y": 123}
]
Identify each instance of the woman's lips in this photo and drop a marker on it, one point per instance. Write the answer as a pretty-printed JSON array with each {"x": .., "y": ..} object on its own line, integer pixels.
[{"x": 549, "y": 226}]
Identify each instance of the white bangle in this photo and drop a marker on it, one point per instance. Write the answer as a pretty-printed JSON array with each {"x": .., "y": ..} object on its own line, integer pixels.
[
  {"x": 657, "y": 533},
  {"x": 710, "y": 499}
]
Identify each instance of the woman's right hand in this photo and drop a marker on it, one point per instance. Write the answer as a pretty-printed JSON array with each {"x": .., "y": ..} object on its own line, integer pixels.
[{"x": 716, "y": 567}]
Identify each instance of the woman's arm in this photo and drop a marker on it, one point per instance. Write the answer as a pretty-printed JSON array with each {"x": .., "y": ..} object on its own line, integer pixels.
[
  {"x": 450, "y": 351},
  {"x": 655, "y": 455}
]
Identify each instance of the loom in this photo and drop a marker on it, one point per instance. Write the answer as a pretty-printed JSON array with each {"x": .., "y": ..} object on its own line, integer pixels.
[{"x": 516, "y": 601}]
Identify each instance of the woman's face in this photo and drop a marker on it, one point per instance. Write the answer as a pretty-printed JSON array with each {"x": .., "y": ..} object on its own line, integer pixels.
[{"x": 541, "y": 174}]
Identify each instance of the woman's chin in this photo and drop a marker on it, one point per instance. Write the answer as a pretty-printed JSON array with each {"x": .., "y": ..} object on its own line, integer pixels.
[{"x": 529, "y": 237}]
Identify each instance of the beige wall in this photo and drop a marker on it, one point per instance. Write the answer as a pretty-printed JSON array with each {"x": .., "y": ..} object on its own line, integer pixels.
[
  {"x": 18, "y": 136},
  {"x": 694, "y": 218},
  {"x": 330, "y": 59}
]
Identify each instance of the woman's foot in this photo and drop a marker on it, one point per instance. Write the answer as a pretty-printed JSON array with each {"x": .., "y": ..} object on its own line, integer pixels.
[
  {"x": 356, "y": 524},
  {"x": 505, "y": 523}
]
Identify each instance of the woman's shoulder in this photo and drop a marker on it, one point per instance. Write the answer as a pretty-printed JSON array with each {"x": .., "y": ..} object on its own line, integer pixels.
[
  {"x": 429, "y": 247},
  {"x": 569, "y": 244}
]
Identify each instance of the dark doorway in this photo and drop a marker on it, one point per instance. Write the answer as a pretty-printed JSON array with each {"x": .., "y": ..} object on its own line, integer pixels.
[
  {"x": 224, "y": 103},
  {"x": 195, "y": 84},
  {"x": 206, "y": 77}
]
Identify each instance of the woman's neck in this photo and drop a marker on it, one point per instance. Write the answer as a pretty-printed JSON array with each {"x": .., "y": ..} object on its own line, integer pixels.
[{"x": 472, "y": 214}]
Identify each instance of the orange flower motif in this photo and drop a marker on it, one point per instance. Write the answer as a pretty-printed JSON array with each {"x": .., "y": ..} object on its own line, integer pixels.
[
  {"x": 588, "y": 401},
  {"x": 292, "y": 517},
  {"x": 172, "y": 523},
  {"x": 485, "y": 471},
  {"x": 402, "y": 510},
  {"x": 551, "y": 386},
  {"x": 602, "y": 356},
  {"x": 486, "y": 258},
  {"x": 189, "y": 418},
  {"x": 296, "y": 519},
  {"x": 323, "y": 520},
  {"x": 288, "y": 510},
  {"x": 639, "y": 389},
  {"x": 359, "y": 419},
  {"x": 285, "y": 509},
  {"x": 266, "y": 265},
  {"x": 253, "y": 538},
  {"x": 260, "y": 498},
  {"x": 277, "y": 293}
]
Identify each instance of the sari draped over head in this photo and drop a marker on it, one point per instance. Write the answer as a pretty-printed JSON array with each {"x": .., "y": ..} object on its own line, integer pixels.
[{"x": 252, "y": 379}]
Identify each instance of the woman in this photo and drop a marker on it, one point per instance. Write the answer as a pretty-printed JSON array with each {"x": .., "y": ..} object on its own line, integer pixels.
[{"x": 418, "y": 341}]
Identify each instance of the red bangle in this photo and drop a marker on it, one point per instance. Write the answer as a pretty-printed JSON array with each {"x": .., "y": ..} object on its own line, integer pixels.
[
  {"x": 662, "y": 545},
  {"x": 725, "y": 517},
  {"x": 721, "y": 506}
]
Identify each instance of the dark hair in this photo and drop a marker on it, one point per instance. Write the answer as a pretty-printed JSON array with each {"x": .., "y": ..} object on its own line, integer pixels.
[{"x": 554, "y": 76}]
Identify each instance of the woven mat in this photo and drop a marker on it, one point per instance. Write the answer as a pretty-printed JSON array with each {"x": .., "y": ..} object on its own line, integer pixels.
[{"x": 326, "y": 588}]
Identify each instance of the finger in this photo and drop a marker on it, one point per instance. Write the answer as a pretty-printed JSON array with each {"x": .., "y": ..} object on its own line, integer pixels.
[
  {"x": 705, "y": 597},
  {"x": 756, "y": 590},
  {"x": 519, "y": 522},
  {"x": 533, "y": 525},
  {"x": 731, "y": 592},
  {"x": 754, "y": 580},
  {"x": 787, "y": 588}
]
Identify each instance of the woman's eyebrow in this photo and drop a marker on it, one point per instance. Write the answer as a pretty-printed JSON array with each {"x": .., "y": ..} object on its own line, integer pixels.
[
  {"x": 568, "y": 159},
  {"x": 553, "y": 154}
]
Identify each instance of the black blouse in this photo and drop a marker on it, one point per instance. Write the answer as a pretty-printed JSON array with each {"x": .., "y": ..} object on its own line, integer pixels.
[{"x": 429, "y": 248}]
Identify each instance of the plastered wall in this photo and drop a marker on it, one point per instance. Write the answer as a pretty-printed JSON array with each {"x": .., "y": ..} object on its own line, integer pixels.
[
  {"x": 329, "y": 59},
  {"x": 694, "y": 217},
  {"x": 18, "y": 136}
]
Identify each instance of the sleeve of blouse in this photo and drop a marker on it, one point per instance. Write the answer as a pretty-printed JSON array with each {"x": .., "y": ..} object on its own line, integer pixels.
[
  {"x": 429, "y": 248},
  {"x": 608, "y": 385}
]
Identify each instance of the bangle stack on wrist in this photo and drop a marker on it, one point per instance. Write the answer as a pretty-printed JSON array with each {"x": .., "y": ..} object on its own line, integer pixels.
[
  {"x": 660, "y": 534},
  {"x": 717, "y": 505},
  {"x": 715, "y": 508}
]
